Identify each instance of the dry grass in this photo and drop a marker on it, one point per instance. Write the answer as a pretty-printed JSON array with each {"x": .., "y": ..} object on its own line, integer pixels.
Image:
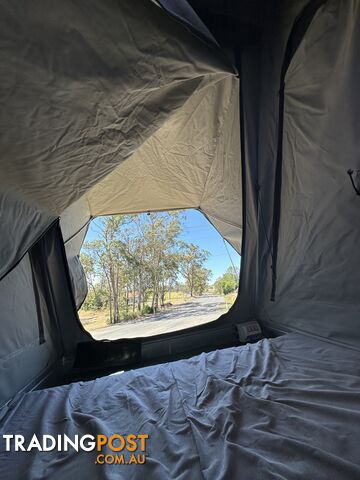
[
  {"x": 176, "y": 298},
  {"x": 93, "y": 319},
  {"x": 229, "y": 300}
]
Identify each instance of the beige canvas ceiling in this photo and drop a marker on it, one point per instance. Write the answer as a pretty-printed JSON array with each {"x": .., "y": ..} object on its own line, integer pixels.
[
  {"x": 114, "y": 109},
  {"x": 192, "y": 161}
]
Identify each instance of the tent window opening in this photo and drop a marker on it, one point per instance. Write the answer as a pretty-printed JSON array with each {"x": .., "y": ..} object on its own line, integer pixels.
[{"x": 154, "y": 273}]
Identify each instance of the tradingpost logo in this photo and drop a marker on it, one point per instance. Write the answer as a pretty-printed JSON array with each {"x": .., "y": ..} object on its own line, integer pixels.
[{"x": 114, "y": 449}]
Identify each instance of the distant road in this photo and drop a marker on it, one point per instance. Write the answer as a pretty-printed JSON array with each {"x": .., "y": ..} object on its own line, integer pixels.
[{"x": 194, "y": 312}]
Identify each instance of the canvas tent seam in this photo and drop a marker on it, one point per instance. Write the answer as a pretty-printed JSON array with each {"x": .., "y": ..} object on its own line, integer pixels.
[
  {"x": 22, "y": 255},
  {"x": 14, "y": 402},
  {"x": 220, "y": 131},
  {"x": 200, "y": 30},
  {"x": 271, "y": 323},
  {"x": 219, "y": 219},
  {"x": 136, "y": 212},
  {"x": 73, "y": 235},
  {"x": 204, "y": 82},
  {"x": 208, "y": 39},
  {"x": 20, "y": 350}
]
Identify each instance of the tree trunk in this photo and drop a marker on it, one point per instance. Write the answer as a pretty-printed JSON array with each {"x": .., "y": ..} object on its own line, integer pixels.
[
  {"x": 110, "y": 308},
  {"x": 116, "y": 305},
  {"x": 156, "y": 301},
  {"x": 140, "y": 293},
  {"x": 116, "y": 311},
  {"x": 153, "y": 301},
  {"x": 134, "y": 293},
  {"x": 127, "y": 299}
]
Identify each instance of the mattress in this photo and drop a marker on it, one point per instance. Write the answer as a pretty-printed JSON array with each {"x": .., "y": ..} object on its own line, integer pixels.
[{"x": 284, "y": 408}]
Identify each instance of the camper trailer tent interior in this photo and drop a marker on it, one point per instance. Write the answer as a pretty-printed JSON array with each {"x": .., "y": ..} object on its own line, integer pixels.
[{"x": 247, "y": 111}]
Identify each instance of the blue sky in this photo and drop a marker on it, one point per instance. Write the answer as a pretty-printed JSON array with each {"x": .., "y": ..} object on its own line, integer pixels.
[{"x": 197, "y": 229}]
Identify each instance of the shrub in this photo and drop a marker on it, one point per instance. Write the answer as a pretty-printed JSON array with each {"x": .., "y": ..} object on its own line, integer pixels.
[{"x": 146, "y": 310}]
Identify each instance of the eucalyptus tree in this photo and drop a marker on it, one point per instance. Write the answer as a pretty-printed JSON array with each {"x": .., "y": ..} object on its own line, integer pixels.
[{"x": 192, "y": 269}]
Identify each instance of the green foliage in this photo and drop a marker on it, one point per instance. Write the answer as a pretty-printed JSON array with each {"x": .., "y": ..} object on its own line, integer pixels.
[
  {"x": 191, "y": 260},
  {"x": 201, "y": 280},
  {"x": 228, "y": 282},
  {"x": 130, "y": 316},
  {"x": 93, "y": 302},
  {"x": 137, "y": 260},
  {"x": 146, "y": 310}
]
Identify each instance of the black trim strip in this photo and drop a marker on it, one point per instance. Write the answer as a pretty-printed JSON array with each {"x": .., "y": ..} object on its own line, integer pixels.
[
  {"x": 43, "y": 289},
  {"x": 37, "y": 300},
  {"x": 297, "y": 33},
  {"x": 243, "y": 176},
  {"x": 47, "y": 286}
]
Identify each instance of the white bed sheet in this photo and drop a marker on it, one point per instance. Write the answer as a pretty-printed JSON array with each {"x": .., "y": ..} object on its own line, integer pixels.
[{"x": 287, "y": 408}]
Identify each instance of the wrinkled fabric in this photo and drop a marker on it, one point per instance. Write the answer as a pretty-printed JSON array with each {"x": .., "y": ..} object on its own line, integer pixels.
[
  {"x": 22, "y": 354},
  {"x": 19, "y": 219},
  {"x": 317, "y": 267},
  {"x": 192, "y": 161},
  {"x": 284, "y": 408},
  {"x": 92, "y": 93}
]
